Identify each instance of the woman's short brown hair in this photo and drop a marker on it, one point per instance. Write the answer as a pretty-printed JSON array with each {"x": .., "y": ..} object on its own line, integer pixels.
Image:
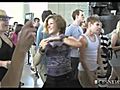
[{"x": 59, "y": 20}]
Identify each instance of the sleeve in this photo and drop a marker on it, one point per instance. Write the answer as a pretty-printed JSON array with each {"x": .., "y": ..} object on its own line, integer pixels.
[
  {"x": 68, "y": 31},
  {"x": 38, "y": 57},
  {"x": 39, "y": 36}
]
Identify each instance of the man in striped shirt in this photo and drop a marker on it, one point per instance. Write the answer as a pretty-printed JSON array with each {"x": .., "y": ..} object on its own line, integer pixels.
[{"x": 105, "y": 71}]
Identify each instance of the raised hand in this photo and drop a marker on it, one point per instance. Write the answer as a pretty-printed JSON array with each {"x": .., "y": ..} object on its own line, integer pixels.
[{"x": 27, "y": 36}]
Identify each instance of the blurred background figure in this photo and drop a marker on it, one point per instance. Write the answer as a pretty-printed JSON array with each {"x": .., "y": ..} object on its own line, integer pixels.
[
  {"x": 36, "y": 23},
  {"x": 14, "y": 36}
]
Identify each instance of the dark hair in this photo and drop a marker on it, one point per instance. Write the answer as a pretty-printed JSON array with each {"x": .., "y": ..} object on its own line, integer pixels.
[
  {"x": 36, "y": 19},
  {"x": 45, "y": 14},
  {"x": 18, "y": 28},
  {"x": 15, "y": 23},
  {"x": 92, "y": 19},
  {"x": 76, "y": 12}
]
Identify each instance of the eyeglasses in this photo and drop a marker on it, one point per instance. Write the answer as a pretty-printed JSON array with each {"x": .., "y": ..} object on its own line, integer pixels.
[{"x": 4, "y": 18}]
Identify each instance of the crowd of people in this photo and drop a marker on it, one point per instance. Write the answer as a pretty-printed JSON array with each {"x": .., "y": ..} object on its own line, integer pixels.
[{"x": 65, "y": 56}]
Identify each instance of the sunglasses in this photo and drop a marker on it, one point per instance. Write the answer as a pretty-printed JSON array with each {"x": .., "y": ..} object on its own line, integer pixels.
[{"x": 4, "y": 18}]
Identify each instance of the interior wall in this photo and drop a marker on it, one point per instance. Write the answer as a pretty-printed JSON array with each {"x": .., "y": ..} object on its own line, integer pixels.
[
  {"x": 37, "y": 8},
  {"x": 66, "y": 8},
  {"x": 13, "y": 9},
  {"x": 18, "y": 9}
]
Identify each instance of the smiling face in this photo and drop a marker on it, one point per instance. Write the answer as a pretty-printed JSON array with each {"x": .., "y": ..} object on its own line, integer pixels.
[{"x": 52, "y": 26}]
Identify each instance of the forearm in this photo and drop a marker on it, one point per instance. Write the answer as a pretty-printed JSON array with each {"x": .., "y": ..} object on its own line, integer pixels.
[
  {"x": 13, "y": 76},
  {"x": 72, "y": 42},
  {"x": 38, "y": 57},
  {"x": 116, "y": 47}
]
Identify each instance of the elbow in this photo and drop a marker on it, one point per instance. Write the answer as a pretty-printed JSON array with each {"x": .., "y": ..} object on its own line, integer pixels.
[{"x": 78, "y": 45}]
